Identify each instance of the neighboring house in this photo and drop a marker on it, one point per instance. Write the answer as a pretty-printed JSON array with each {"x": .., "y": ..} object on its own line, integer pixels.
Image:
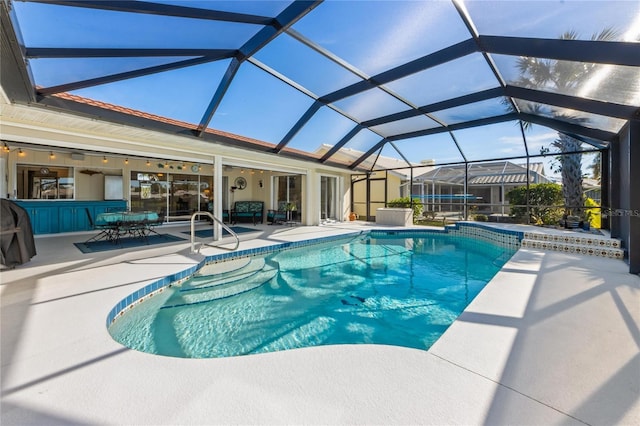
[
  {"x": 442, "y": 189},
  {"x": 592, "y": 189}
]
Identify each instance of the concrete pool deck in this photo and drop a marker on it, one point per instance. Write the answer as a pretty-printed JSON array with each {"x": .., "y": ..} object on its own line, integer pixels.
[{"x": 554, "y": 338}]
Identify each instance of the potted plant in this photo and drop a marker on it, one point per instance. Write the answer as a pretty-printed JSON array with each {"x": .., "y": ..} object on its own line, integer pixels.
[
  {"x": 573, "y": 222},
  {"x": 586, "y": 221}
]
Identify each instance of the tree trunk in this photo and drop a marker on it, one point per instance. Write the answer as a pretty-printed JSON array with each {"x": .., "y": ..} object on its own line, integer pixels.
[{"x": 571, "y": 174}]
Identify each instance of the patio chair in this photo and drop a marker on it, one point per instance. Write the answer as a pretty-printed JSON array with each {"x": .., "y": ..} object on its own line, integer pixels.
[
  {"x": 277, "y": 216},
  {"x": 108, "y": 231},
  {"x": 152, "y": 223}
]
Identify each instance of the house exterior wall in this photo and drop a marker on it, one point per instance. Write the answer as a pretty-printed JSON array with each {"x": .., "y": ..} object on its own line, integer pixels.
[{"x": 44, "y": 131}]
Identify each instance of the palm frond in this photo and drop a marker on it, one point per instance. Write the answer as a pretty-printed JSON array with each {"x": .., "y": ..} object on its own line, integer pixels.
[
  {"x": 607, "y": 34},
  {"x": 569, "y": 35}
]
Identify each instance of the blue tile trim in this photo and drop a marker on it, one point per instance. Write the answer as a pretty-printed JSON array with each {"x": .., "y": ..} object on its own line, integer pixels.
[
  {"x": 495, "y": 235},
  {"x": 459, "y": 226},
  {"x": 160, "y": 284}
]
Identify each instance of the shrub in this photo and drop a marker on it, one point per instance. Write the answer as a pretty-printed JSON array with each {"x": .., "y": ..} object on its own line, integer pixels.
[
  {"x": 405, "y": 202},
  {"x": 481, "y": 218},
  {"x": 542, "y": 198},
  {"x": 594, "y": 215},
  {"x": 429, "y": 215}
]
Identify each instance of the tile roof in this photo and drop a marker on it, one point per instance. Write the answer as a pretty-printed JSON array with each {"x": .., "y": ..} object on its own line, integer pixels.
[{"x": 157, "y": 118}]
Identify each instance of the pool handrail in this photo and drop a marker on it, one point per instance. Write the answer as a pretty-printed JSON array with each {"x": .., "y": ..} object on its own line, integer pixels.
[{"x": 215, "y": 219}]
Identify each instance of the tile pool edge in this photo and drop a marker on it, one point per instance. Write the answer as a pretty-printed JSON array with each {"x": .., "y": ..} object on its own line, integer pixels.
[
  {"x": 501, "y": 237},
  {"x": 504, "y": 237},
  {"x": 159, "y": 285}
]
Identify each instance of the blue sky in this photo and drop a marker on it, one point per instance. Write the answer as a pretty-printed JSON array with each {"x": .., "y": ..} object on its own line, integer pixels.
[{"x": 260, "y": 106}]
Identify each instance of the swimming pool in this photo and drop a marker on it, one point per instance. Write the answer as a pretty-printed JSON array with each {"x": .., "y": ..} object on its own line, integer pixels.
[{"x": 380, "y": 288}]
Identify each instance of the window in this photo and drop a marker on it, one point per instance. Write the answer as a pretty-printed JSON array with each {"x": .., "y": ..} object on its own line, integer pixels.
[{"x": 36, "y": 182}]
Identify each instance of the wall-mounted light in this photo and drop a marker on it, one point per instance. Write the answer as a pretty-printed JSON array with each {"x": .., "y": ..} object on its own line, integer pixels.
[
  {"x": 104, "y": 159},
  {"x": 126, "y": 161},
  {"x": 148, "y": 163},
  {"x": 241, "y": 171},
  {"x": 52, "y": 155},
  {"x": 6, "y": 148},
  {"x": 166, "y": 164},
  {"x": 21, "y": 153}
]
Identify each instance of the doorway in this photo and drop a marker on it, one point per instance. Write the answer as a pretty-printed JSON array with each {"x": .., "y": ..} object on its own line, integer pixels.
[
  {"x": 328, "y": 198},
  {"x": 288, "y": 195}
]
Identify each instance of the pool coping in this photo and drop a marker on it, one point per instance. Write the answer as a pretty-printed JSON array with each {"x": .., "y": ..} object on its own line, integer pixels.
[{"x": 60, "y": 366}]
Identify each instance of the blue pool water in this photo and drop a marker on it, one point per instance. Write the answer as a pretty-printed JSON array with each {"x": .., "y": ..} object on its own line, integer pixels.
[{"x": 382, "y": 290}]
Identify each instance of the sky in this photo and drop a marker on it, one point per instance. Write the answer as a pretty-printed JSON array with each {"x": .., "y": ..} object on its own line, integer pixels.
[{"x": 259, "y": 105}]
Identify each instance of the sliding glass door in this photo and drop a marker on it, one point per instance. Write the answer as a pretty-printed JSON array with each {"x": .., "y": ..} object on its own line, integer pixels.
[
  {"x": 328, "y": 198},
  {"x": 175, "y": 197},
  {"x": 288, "y": 194}
]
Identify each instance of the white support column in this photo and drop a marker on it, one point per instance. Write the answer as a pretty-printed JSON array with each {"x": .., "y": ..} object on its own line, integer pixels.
[
  {"x": 4, "y": 178},
  {"x": 217, "y": 196},
  {"x": 311, "y": 199}
]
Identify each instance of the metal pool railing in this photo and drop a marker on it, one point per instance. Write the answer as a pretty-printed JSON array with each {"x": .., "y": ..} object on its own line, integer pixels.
[{"x": 215, "y": 219}]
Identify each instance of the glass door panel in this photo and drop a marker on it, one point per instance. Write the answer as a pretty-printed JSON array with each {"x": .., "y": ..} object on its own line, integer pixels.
[
  {"x": 184, "y": 196},
  {"x": 328, "y": 198},
  {"x": 288, "y": 193},
  {"x": 148, "y": 193}
]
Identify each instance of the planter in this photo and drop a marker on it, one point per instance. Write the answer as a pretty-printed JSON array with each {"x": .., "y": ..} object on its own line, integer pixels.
[
  {"x": 572, "y": 222},
  {"x": 394, "y": 216}
]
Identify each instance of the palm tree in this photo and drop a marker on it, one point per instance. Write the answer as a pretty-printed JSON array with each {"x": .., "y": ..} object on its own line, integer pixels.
[
  {"x": 562, "y": 77},
  {"x": 595, "y": 167},
  {"x": 571, "y": 172}
]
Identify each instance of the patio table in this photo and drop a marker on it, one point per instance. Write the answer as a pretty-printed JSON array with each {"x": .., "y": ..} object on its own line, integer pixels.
[{"x": 136, "y": 224}]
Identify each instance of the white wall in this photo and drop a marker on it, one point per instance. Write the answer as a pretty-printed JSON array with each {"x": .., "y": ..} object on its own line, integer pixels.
[{"x": 73, "y": 133}]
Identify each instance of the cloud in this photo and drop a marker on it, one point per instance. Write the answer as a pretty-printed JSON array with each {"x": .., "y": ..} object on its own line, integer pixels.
[
  {"x": 396, "y": 45},
  {"x": 531, "y": 139}
]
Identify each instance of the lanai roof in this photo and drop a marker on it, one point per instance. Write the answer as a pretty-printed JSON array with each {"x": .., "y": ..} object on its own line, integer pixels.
[{"x": 400, "y": 79}]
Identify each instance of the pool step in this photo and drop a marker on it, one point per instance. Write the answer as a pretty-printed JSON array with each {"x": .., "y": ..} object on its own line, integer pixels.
[
  {"x": 220, "y": 290},
  {"x": 224, "y": 275},
  {"x": 572, "y": 242},
  {"x": 219, "y": 268}
]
